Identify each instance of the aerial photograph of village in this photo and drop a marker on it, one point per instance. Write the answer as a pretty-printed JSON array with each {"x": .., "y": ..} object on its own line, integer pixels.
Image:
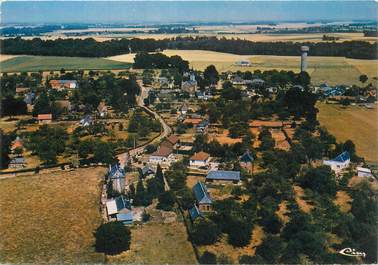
[{"x": 189, "y": 132}]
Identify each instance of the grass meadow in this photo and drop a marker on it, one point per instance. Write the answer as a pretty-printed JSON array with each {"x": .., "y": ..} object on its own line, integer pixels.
[
  {"x": 50, "y": 217},
  {"x": 356, "y": 123}
]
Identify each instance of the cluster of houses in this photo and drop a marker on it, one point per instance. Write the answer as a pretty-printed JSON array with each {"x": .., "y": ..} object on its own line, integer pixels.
[
  {"x": 203, "y": 200},
  {"x": 164, "y": 154}
]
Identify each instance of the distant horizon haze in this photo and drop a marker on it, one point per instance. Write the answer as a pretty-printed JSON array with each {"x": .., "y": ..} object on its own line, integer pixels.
[{"x": 139, "y": 12}]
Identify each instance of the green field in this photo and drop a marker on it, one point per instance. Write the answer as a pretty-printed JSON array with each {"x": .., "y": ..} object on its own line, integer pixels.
[{"x": 50, "y": 63}]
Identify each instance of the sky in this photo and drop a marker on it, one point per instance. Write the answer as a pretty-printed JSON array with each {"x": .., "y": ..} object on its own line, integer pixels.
[{"x": 184, "y": 11}]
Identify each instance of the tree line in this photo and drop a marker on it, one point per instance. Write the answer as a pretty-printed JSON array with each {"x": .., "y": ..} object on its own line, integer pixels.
[{"x": 91, "y": 48}]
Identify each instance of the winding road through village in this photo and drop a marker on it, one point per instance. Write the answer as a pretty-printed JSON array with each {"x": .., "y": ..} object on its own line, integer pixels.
[{"x": 165, "y": 132}]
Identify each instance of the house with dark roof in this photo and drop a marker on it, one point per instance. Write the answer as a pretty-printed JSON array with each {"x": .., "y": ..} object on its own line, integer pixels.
[
  {"x": 190, "y": 86},
  {"x": 202, "y": 196},
  {"x": 86, "y": 120},
  {"x": 119, "y": 209},
  {"x": 147, "y": 170},
  {"x": 200, "y": 159},
  {"x": 17, "y": 162},
  {"x": 339, "y": 163},
  {"x": 223, "y": 176},
  {"x": 194, "y": 213},
  {"x": 116, "y": 175}
]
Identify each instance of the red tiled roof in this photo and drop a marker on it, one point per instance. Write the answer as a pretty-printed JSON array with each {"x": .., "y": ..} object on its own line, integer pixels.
[
  {"x": 200, "y": 156},
  {"x": 193, "y": 121},
  {"x": 44, "y": 117},
  {"x": 162, "y": 151},
  {"x": 173, "y": 139}
]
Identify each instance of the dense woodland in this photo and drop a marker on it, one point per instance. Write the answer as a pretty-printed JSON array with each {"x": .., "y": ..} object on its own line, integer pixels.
[{"x": 91, "y": 48}]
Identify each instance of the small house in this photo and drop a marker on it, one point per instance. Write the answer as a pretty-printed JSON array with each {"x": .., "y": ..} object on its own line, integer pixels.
[
  {"x": 223, "y": 176},
  {"x": 63, "y": 84},
  {"x": 364, "y": 172},
  {"x": 161, "y": 155},
  {"x": 147, "y": 170},
  {"x": 117, "y": 175},
  {"x": 17, "y": 144},
  {"x": 184, "y": 109},
  {"x": 173, "y": 140},
  {"x": 202, "y": 127},
  {"x": 119, "y": 209},
  {"x": 86, "y": 120},
  {"x": 246, "y": 159},
  {"x": 102, "y": 109},
  {"x": 44, "y": 118},
  {"x": 194, "y": 213},
  {"x": 200, "y": 159},
  {"x": 339, "y": 163},
  {"x": 17, "y": 162},
  {"x": 202, "y": 196}
]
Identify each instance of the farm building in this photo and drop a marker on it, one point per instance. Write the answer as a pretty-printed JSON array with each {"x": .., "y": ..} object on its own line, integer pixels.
[
  {"x": 223, "y": 176},
  {"x": 44, "y": 118},
  {"x": 200, "y": 159},
  {"x": 119, "y": 209},
  {"x": 338, "y": 163},
  {"x": 202, "y": 196},
  {"x": 364, "y": 172},
  {"x": 117, "y": 176},
  {"x": 63, "y": 84}
]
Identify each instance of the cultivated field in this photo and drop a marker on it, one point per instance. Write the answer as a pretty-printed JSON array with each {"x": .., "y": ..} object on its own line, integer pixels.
[
  {"x": 353, "y": 122},
  {"x": 332, "y": 70},
  {"x": 48, "y": 63},
  {"x": 50, "y": 217}
]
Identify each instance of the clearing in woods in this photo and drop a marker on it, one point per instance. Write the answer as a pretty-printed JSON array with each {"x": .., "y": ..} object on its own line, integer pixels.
[
  {"x": 50, "y": 217},
  {"x": 28, "y": 63},
  {"x": 356, "y": 123},
  {"x": 332, "y": 70}
]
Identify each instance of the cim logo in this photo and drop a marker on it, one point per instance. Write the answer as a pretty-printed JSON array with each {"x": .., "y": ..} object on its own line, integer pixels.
[{"x": 352, "y": 252}]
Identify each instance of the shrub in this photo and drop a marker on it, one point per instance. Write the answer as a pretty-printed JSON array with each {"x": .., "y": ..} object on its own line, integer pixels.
[{"x": 112, "y": 238}]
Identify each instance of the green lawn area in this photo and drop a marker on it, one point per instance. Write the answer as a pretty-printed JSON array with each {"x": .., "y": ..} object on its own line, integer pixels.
[{"x": 50, "y": 63}]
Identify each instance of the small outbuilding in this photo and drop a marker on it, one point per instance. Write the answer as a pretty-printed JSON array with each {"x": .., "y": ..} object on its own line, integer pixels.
[{"x": 223, "y": 176}]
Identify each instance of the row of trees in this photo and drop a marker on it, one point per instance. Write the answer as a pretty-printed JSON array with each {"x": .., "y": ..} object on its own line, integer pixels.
[{"x": 91, "y": 48}]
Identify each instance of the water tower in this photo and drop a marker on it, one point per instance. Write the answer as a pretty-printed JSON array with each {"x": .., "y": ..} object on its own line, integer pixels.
[{"x": 304, "y": 51}]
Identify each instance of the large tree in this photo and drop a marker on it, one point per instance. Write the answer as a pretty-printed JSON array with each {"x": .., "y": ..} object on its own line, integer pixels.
[{"x": 112, "y": 238}]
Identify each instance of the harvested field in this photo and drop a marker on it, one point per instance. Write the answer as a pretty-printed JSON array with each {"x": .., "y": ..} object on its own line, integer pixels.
[
  {"x": 280, "y": 139},
  {"x": 51, "y": 217},
  {"x": 47, "y": 63},
  {"x": 155, "y": 243},
  {"x": 333, "y": 70},
  {"x": 4, "y": 57},
  {"x": 356, "y": 180},
  {"x": 224, "y": 138},
  {"x": 343, "y": 200},
  {"x": 356, "y": 123}
]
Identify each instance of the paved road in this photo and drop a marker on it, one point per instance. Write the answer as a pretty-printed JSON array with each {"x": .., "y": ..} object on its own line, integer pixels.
[{"x": 166, "y": 129}]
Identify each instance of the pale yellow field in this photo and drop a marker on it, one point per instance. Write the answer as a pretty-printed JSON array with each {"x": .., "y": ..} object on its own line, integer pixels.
[
  {"x": 332, "y": 70},
  {"x": 4, "y": 57},
  {"x": 358, "y": 124}
]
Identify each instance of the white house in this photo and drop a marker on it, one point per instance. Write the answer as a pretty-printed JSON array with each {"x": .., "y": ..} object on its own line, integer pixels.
[
  {"x": 338, "y": 163},
  {"x": 364, "y": 172},
  {"x": 200, "y": 159}
]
